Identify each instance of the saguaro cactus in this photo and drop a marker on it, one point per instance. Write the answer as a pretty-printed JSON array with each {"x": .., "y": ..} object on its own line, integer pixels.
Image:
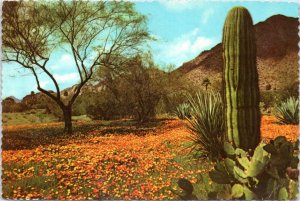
[{"x": 241, "y": 80}]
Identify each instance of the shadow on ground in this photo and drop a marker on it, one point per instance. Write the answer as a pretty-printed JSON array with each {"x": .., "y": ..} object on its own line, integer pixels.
[{"x": 30, "y": 138}]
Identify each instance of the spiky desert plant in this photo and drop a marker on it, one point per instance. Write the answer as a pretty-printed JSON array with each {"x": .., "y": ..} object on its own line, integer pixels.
[
  {"x": 183, "y": 110},
  {"x": 265, "y": 174},
  {"x": 207, "y": 124},
  {"x": 241, "y": 80},
  {"x": 287, "y": 112}
]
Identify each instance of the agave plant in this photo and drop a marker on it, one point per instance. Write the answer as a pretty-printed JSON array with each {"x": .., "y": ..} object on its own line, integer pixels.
[
  {"x": 288, "y": 111},
  {"x": 183, "y": 111},
  {"x": 207, "y": 124}
]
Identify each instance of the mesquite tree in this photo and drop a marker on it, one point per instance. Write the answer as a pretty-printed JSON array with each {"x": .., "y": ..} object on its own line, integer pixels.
[
  {"x": 93, "y": 32},
  {"x": 241, "y": 80}
]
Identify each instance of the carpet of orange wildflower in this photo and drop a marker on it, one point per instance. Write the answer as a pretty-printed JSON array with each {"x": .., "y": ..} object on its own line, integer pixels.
[
  {"x": 110, "y": 166},
  {"x": 270, "y": 129}
]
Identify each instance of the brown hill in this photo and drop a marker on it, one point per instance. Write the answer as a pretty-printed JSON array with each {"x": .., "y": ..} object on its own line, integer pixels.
[{"x": 277, "y": 59}]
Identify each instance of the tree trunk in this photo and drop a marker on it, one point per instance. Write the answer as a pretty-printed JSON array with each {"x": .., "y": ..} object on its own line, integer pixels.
[{"x": 67, "y": 112}]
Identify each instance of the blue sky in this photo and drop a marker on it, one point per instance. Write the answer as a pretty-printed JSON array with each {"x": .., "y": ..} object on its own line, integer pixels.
[{"x": 183, "y": 30}]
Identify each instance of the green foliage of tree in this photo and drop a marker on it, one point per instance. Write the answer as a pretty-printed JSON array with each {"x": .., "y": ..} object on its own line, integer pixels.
[
  {"x": 95, "y": 33},
  {"x": 134, "y": 90}
]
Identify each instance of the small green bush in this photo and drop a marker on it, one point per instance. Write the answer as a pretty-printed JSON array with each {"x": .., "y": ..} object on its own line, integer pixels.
[
  {"x": 207, "y": 124},
  {"x": 287, "y": 112},
  {"x": 183, "y": 111},
  {"x": 272, "y": 97}
]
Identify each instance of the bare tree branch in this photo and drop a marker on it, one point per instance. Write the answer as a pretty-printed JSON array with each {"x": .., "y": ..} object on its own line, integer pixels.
[{"x": 95, "y": 32}]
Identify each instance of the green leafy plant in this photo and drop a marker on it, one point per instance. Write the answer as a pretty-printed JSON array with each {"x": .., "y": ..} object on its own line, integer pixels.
[
  {"x": 206, "y": 124},
  {"x": 260, "y": 176},
  {"x": 288, "y": 111},
  {"x": 183, "y": 111}
]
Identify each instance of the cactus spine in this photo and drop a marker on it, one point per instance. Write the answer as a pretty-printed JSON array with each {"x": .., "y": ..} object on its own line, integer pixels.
[{"x": 241, "y": 80}]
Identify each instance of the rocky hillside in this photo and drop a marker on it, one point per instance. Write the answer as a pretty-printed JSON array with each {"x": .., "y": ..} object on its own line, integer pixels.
[
  {"x": 14, "y": 98},
  {"x": 277, "y": 59}
]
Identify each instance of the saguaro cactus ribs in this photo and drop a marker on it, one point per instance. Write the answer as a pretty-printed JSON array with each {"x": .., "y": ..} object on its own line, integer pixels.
[{"x": 241, "y": 80}]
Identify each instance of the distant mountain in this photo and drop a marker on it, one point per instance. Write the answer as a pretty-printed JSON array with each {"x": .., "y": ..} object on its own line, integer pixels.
[
  {"x": 277, "y": 56},
  {"x": 277, "y": 59},
  {"x": 14, "y": 98},
  {"x": 66, "y": 94}
]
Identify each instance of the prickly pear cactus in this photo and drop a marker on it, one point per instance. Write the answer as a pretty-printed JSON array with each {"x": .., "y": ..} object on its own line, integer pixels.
[
  {"x": 241, "y": 171},
  {"x": 283, "y": 157},
  {"x": 261, "y": 175},
  {"x": 241, "y": 80}
]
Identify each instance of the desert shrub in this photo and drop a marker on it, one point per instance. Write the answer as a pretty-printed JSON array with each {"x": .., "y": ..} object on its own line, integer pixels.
[
  {"x": 81, "y": 104},
  {"x": 144, "y": 83},
  {"x": 264, "y": 109},
  {"x": 54, "y": 109},
  {"x": 291, "y": 90},
  {"x": 136, "y": 88},
  {"x": 271, "y": 98},
  {"x": 183, "y": 111},
  {"x": 99, "y": 106},
  {"x": 268, "y": 87},
  {"x": 102, "y": 111},
  {"x": 172, "y": 99},
  {"x": 207, "y": 124},
  {"x": 287, "y": 112},
  {"x": 80, "y": 109}
]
